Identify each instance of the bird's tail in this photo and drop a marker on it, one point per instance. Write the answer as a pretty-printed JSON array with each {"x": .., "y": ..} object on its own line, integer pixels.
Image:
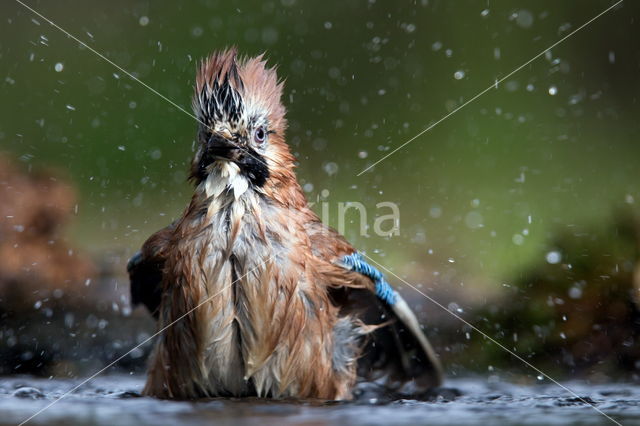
[
  {"x": 397, "y": 353},
  {"x": 399, "y": 356}
]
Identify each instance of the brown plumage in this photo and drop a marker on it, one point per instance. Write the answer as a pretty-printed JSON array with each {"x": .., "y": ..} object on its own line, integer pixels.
[{"x": 270, "y": 309}]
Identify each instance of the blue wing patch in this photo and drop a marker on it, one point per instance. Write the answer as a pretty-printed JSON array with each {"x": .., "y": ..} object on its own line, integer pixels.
[{"x": 355, "y": 262}]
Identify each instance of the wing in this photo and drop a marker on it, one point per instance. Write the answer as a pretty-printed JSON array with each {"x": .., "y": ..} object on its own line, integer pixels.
[
  {"x": 145, "y": 270},
  {"x": 397, "y": 353}
]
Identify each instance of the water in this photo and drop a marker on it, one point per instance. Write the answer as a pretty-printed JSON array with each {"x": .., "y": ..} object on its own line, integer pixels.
[{"x": 116, "y": 399}]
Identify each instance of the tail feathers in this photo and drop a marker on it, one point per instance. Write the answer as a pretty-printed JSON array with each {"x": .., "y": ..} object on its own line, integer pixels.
[
  {"x": 417, "y": 356},
  {"x": 400, "y": 351},
  {"x": 397, "y": 354}
]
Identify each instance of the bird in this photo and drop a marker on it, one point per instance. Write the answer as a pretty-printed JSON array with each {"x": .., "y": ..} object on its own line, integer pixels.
[{"x": 255, "y": 296}]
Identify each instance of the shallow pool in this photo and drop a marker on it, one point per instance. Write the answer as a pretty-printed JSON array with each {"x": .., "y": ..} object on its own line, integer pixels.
[{"x": 115, "y": 399}]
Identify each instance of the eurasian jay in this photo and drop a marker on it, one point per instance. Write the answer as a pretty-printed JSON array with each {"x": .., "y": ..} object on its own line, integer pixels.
[{"x": 257, "y": 295}]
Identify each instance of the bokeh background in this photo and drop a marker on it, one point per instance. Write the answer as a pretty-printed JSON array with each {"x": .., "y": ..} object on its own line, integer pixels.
[{"x": 519, "y": 212}]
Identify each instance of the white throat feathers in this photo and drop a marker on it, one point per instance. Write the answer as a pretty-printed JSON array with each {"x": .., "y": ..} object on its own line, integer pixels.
[{"x": 224, "y": 176}]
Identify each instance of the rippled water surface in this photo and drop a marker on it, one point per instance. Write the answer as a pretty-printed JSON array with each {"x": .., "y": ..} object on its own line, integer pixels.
[{"x": 115, "y": 400}]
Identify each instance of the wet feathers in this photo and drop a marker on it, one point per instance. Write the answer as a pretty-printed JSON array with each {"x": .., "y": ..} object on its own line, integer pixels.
[{"x": 272, "y": 309}]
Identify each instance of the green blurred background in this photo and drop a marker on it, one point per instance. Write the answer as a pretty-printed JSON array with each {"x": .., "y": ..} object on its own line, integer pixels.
[{"x": 554, "y": 146}]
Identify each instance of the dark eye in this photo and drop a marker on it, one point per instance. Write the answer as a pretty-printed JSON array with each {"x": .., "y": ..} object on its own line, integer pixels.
[{"x": 259, "y": 135}]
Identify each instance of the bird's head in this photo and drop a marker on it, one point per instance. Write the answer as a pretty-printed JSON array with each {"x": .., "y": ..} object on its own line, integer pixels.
[{"x": 242, "y": 121}]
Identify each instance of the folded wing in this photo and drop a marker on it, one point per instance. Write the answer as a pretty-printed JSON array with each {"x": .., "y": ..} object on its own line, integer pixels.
[{"x": 145, "y": 270}]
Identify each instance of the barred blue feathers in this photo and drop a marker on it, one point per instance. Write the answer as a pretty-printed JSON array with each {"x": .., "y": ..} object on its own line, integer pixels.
[{"x": 355, "y": 262}]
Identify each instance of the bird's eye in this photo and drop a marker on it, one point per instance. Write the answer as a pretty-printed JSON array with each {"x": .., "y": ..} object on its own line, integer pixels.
[{"x": 259, "y": 135}]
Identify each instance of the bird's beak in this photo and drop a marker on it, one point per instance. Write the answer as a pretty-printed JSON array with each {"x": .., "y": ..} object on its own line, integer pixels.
[{"x": 222, "y": 147}]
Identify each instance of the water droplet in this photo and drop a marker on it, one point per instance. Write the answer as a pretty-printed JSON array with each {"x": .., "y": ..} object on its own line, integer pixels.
[
  {"x": 156, "y": 154},
  {"x": 270, "y": 35},
  {"x": 143, "y": 21},
  {"x": 435, "y": 212},
  {"x": 553, "y": 90},
  {"x": 554, "y": 257},
  {"x": 575, "y": 292},
  {"x": 197, "y": 31},
  {"x": 58, "y": 67},
  {"x": 517, "y": 239},
  {"x": 458, "y": 75},
  {"x": 331, "y": 168},
  {"x": 524, "y": 19},
  {"x": 473, "y": 220}
]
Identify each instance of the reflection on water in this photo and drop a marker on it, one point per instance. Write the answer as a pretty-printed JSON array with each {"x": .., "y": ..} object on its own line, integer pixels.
[{"x": 115, "y": 400}]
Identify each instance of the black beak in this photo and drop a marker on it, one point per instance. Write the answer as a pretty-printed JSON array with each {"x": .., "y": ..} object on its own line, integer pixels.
[{"x": 219, "y": 147}]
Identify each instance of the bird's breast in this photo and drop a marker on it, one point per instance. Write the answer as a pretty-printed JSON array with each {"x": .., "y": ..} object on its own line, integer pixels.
[
  {"x": 264, "y": 320},
  {"x": 232, "y": 263}
]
